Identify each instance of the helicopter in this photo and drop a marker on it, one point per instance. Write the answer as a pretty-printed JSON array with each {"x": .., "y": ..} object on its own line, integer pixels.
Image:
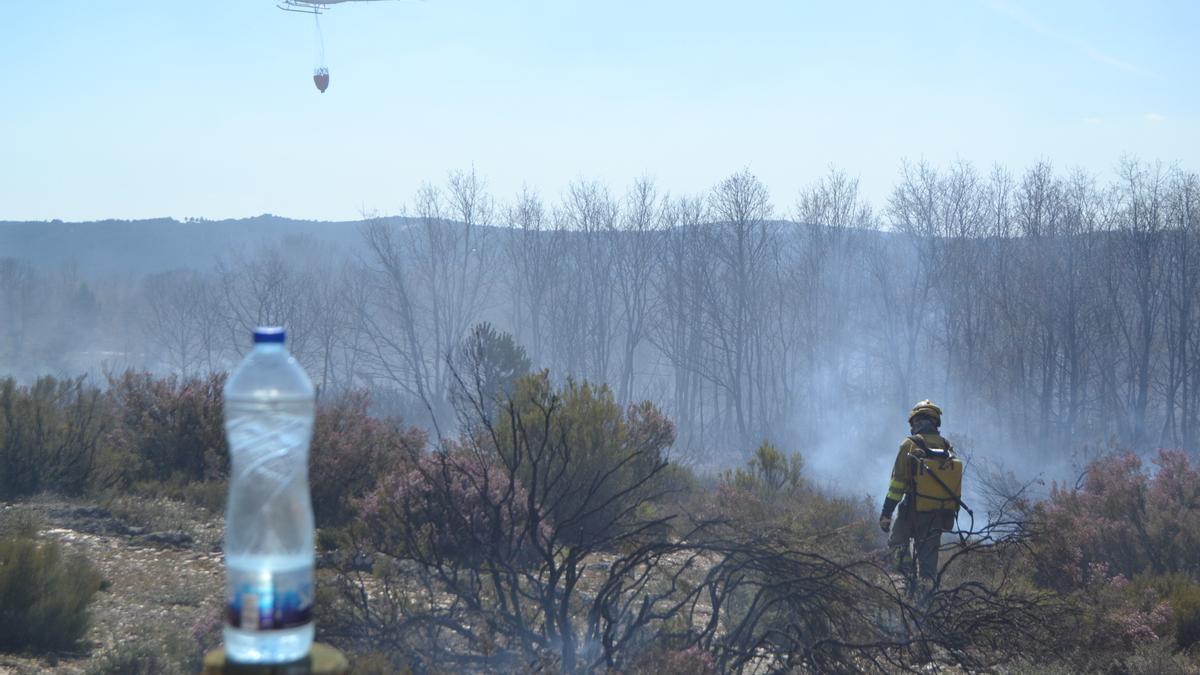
[{"x": 316, "y": 8}]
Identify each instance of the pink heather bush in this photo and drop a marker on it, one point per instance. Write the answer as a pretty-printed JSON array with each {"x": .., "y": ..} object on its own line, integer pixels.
[
  {"x": 691, "y": 661},
  {"x": 1126, "y": 542},
  {"x": 454, "y": 505},
  {"x": 206, "y": 632},
  {"x": 1122, "y": 614},
  {"x": 1131, "y": 519},
  {"x": 350, "y": 452},
  {"x": 1143, "y": 626}
]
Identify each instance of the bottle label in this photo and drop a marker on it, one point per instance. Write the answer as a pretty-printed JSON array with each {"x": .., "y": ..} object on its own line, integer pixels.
[{"x": 265, "y": 600}]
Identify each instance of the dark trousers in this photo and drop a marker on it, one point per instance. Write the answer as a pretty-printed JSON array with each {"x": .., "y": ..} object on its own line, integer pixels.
[{"x": 923, "y": 532}]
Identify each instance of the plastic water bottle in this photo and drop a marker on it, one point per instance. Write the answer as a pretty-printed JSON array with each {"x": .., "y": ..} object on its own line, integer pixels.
[{"x": 269, "y": 405}]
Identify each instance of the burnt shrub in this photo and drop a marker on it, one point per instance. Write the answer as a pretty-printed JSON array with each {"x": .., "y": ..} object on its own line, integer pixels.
[
  {"x": 506, "y": 521},
  {"x": 591, "y": 458},
  {"x": 44, "y": 594}
]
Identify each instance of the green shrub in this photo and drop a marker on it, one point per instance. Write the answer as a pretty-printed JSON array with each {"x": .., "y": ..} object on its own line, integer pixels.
[
  {"x": 44, "y": 595},
  {"x": 165, "y": 430},
  {"x": 158, "y": 514},
  {"x": 377, "y": 663},
  {"x": 328, "y": 539},
  {"x": 49, "y": 436},
  {"x": 595, "y": 459},
  {"x": 152, "y": 653},
  {"x": 1185, "y": 617},
  {"x": 1155, "y": 659},
  {"x": 18, "y": 522},
  {"x": 770, "y": 471},
  {"x": 773, "y": 492},
  {"x": 488, "y": 365},
  {"x": 209, "y": 495}
]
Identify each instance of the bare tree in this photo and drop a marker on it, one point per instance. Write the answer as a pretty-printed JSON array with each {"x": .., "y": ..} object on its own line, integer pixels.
[
  {"x": 171, "y": 320},
  {"x": 1136, "y": 288},
  {"x": 395, "y": 348},
  {"x": 1182, "y": 388},
  {"x": 677, "y": 331},
  {"x": 534, "y": 269},
  {"x": 905, "y": 272},
  {"x": 636, "y": 244},
  {"x": 264, "y": 290},
  {"x": 433, "y": 277},
  {"x": 588, "y": 216},
  {"x": 742, "y": 241},
  {"x": 822, "y": 278},
  {"x": 19, "y": 306}
]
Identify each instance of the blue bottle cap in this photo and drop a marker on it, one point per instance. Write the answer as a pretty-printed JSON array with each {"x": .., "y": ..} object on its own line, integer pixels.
[{"x": 269, "y": 334}]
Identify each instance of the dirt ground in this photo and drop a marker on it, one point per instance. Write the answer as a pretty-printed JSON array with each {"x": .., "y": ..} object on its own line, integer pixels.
[{"x": 163, "y": 578}]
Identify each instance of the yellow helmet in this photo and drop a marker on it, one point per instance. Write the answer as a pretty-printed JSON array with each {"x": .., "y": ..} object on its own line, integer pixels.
[{"x": 926, "y": 407}]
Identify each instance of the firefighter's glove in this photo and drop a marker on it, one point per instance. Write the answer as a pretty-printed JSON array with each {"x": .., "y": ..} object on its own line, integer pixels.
[{"x": 885, "y": 522}]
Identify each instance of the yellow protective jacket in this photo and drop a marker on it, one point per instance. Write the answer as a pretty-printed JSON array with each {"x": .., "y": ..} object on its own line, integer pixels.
[{"x": 902, "y": 471}]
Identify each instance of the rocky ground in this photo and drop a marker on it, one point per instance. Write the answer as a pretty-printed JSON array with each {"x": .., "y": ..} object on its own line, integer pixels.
[
  {"x": 163, "y": 583},
  {"x": 163, "y": 580}
]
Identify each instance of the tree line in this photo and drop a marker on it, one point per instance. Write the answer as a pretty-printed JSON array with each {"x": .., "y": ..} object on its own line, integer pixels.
[{"x": 1047, "y": 308}]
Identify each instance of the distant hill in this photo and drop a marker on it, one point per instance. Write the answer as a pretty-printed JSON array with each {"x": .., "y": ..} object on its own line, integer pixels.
[{"x": 141, "y": 247}]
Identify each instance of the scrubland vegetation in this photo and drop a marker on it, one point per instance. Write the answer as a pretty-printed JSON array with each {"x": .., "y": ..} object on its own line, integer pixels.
[
  {"x": 44, "y": 594},
  {"x": 555, "y": 532},
  {"x": 640, "y": 433}
]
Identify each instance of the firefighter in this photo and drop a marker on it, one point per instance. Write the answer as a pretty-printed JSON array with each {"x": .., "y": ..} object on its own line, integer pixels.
[{"x": 927, "y": 484}]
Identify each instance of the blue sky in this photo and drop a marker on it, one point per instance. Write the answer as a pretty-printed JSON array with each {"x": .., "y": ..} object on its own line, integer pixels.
[{"x": 134, "y": 109}]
